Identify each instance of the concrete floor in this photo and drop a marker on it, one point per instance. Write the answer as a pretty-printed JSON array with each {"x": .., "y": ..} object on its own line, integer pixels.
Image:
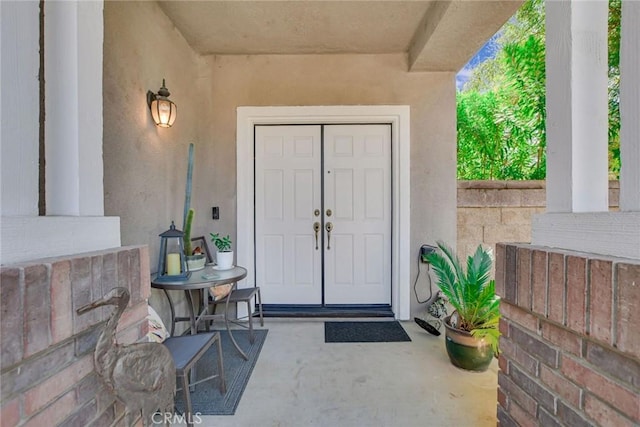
[{"x": 299, "y": 380}]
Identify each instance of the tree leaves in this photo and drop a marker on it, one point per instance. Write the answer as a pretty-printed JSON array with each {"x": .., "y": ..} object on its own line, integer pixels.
[{"x": 502, "y": 108}]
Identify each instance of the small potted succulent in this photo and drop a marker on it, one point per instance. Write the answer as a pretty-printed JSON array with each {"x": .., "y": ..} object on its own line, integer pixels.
[{"x": 224, "y": 255}]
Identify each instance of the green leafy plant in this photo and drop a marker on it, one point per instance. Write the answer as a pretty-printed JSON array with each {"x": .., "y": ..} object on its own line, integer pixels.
[
  {"x": 501, "y": 110},
  {"x": 222, "y": 243},
  {"x": 471, "y": 293}
]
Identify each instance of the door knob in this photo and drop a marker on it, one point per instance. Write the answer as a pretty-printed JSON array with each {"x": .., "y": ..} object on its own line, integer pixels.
[
  {"x": 329, "y": 227},
  {"x": 329, "y": 212},
  {"x": 316, "y": 212},
  {"x": 316, "y": 228}
]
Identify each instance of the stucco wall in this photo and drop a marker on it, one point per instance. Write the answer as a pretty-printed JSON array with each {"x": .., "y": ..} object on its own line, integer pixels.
[
  {"x": 145, "y": 167},
  {"x": 346, "y": 80}
]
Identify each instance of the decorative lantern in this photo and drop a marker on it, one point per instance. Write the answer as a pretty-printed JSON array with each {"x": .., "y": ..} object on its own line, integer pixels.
[
  {"x": 172, "y": 264},
  {"x": 163, "y": 110}
]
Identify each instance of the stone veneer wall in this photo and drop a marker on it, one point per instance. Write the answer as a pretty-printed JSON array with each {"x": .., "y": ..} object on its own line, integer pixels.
[
  {"x": 500, "y": 211},
  {"x": 570, "y": 338},
  {"x": 46, "y": 358}
]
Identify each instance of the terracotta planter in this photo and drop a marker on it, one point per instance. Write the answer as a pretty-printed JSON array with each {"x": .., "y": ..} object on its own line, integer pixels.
[{"x": 465, "y": 351}]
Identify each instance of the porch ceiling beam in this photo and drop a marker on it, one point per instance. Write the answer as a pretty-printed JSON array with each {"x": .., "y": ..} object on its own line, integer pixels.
[{"x": 451, "y": 32}]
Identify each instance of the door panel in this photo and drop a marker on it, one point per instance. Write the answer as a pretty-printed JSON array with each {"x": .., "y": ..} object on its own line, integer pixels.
[
  {"x": 357, "y": 174},
  {"x": 352, "y": 263},
  {"x": 287, "y": 172}
]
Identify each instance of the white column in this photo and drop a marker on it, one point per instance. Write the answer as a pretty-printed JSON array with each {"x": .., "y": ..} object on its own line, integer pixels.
[
  {"x": 576, "y": 65},
  {"x": 73, "y": 131},
  {"x": 630, "y": 107},
  {"x": 73, "y": 123},
  {"x": 19, "y": 107},
  {"x": 577, "y": 217}
]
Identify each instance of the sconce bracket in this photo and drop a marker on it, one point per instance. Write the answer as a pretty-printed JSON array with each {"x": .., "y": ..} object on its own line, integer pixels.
[{"x": 150, "y": 98}]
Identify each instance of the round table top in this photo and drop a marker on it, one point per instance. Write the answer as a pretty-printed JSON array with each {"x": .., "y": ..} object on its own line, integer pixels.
[{"x": 205, "y": 278}]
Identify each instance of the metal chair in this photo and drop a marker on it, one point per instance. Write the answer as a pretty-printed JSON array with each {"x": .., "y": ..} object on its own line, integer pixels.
[
  {"x": 186, "y": 351},
  {"x": 243, "y": 295}
]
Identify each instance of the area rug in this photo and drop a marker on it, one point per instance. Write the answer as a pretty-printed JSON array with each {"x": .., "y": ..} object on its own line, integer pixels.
[
  {"x": 382, "y": 331},
  {"x": 207, "y": 399}
]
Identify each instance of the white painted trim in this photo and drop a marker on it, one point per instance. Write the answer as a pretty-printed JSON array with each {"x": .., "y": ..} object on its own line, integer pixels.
[
  {"x": 606, "y": 233},
  {"x": 28, "y": 238},
  {"x": 630, "y": 107},
  {"x": 399, "y": 118}
]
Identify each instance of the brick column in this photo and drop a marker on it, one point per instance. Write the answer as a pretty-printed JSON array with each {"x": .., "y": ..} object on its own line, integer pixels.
[
  {"x": 46, "y": 349},
  {"x": 570, "y": 342}
]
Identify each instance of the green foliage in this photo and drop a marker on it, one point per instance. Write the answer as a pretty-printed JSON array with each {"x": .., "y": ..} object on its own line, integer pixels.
[
  {"x": 222, "y": 243},
  {"x": 502, "y": 108},
  {"x": 186, "y": 238},
  {"x": 615, "y": 13},
  {"x": 471, "y": 293}
]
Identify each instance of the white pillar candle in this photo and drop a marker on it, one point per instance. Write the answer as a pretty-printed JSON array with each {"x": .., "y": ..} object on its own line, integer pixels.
[{"x": 173, "y": 264}]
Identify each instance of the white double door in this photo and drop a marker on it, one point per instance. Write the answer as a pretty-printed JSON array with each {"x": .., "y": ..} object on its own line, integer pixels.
[{"x": 323, "y": 214}]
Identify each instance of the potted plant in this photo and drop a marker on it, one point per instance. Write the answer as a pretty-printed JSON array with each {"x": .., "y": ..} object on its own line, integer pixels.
[
  {"x": 195, "y": 260},
  {"x": 224, "y": 255},
  {"x": 472, "y": 330}
]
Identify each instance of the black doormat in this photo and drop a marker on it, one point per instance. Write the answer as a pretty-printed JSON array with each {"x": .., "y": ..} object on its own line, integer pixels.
[{"x": 364, "y": 332}]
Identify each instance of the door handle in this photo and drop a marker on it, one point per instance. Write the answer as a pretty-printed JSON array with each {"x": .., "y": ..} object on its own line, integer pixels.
[
  {"x": 329, "y": 227},
  {"x": 316, "y": 228}
]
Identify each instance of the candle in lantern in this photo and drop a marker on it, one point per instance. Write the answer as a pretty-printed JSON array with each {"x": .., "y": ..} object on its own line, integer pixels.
[{"x": 173, "y": 264}]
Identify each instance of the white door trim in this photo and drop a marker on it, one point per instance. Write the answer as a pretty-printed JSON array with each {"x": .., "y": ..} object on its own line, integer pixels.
[{"x": 399, "y": 118}]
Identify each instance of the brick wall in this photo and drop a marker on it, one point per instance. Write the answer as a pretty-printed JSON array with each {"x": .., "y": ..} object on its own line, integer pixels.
[
  {"x": 570, "y": 338},
  {"x": 500, "y": 211},
  {"x": 46, "y": 359}
]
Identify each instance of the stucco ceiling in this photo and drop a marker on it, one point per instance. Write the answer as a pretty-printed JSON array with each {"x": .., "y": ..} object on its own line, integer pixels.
[{"x": 436, "y": 35}]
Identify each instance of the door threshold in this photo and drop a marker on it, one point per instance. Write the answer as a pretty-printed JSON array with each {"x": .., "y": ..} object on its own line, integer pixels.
[{"x": 275, "y": 310}]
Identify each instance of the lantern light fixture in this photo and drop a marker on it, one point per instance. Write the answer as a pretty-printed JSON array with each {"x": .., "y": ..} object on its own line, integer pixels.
[{"x": 163, "y": 110}]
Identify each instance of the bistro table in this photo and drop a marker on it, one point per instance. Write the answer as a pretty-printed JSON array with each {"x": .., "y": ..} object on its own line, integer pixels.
[{"x": 200, "y": 281}]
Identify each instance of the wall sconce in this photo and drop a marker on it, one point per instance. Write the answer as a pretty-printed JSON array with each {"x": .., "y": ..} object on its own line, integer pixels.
[{"x": 162, "y": 109}]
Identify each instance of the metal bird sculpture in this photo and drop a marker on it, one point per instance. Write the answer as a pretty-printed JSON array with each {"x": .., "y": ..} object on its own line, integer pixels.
[{"x": 141, "y": 375}]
